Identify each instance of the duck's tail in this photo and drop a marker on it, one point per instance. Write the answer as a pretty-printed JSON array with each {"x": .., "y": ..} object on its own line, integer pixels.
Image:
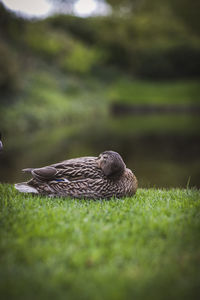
[{"x": 23, "y": 187}]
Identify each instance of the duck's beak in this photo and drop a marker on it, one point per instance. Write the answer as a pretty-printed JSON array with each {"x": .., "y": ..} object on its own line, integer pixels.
[{"x": 1, "y": 146}]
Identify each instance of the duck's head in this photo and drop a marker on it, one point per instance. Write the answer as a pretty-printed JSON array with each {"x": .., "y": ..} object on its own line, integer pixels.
[{"x": 111, "y": 164}]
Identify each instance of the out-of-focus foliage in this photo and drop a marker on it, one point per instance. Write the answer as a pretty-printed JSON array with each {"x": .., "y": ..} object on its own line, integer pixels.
[
  {"x": 153, "y": 43},
  {"x": 186, "y": 10},
  {"x": 9, "y": 69},
  {"x": 48, "y": 47},
  {"x": 143, "y": 46},
  {"x": 10, "y": 27},
  {"x": 81, "y": 58},
  {"x": 68, "y": 55}
]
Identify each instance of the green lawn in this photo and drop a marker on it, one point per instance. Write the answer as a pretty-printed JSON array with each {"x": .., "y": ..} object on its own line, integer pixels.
[
  {"x": 155, "y": 92},
  {"x": 144, "y": 247}
]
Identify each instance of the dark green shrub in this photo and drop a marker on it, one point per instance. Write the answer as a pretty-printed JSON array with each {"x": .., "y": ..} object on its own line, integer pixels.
[{"x": 9, "y": 69}]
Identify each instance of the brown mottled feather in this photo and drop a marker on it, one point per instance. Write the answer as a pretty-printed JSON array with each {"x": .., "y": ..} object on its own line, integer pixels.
[{"x": 82, "y": 178}]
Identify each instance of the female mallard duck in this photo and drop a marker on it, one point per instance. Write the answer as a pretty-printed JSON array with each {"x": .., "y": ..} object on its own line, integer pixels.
[{"x": 99, "y": 177}]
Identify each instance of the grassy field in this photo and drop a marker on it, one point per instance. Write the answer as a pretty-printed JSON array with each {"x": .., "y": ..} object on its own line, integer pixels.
[
  {"x": 144, "y": 247},
  {"x": 154, "y": 92}
]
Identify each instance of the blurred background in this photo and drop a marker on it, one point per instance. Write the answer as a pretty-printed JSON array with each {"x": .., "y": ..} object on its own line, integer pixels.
[{"x": 79, "y": 77}]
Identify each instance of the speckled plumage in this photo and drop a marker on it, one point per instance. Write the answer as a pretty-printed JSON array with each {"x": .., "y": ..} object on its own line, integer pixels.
[{"x": 100, "y": 177}]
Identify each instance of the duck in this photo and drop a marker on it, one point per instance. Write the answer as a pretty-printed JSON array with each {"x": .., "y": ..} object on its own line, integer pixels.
[{"x": 102, "y": 177}]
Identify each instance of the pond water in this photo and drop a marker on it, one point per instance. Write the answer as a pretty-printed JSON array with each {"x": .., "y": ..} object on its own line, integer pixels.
[{"x": 162, "y": 152}]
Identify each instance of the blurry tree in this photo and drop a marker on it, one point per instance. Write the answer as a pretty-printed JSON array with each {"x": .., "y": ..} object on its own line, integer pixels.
[
  {"x": 185, "y": 10},
  {"x": 146, "y": 39},
  {"x": 188, "y": 12},
  {"x": 81, "y": 58},
  {"x": 9, "y": 68},
  {"x": 10, "y": 27}
]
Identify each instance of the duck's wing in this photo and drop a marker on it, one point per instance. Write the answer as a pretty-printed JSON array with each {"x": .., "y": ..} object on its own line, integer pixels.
[
  {"x": 42, "y": 174},
  {"x": 72, "y": 169}
]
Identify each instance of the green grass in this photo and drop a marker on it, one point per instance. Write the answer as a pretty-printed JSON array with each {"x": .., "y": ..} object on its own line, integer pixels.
[
  {"x": 144, "y": 247},
  {"x": 152, "y": 92},
  {"x": 154, "y": 124}
]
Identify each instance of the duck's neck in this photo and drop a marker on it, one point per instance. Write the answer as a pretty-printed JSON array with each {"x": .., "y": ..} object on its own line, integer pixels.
[{"x": 117, "y": 175}]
